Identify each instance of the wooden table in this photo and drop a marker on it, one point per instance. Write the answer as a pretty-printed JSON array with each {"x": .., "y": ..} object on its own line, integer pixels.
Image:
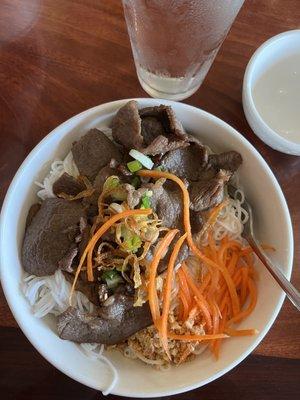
[{"x": 60, "y": 57}]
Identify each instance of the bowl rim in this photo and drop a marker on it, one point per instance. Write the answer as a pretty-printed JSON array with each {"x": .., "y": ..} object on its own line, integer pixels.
[
  {"x": 249, "y": 104},
  {"x": 9, "y": 296}
]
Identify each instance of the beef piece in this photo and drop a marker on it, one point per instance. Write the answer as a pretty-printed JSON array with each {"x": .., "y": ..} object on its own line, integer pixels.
[
  {"x": 50, "y": 235},
  {"x": 230, "y": 161},
  {"x": 116, "y": 321},
  {"x": 33, "y": 210},
  {"x": 166, "y": 201},
  {"x": 166, "y": 116},
  {"x": 77, "y": 248},
  {"x": 152, "y": 130},
  {"x": 205, "y": 194},
  {"x": 161, "y": 130},
  {"x": 163, "y": 144},
  {"x": 67, "y": 184},
  {"x": 126, "y": 126},
  {"x": 89, "y": 289},
  {"x": 186, "y": 162},
  {"x": 65, "y": 264},
  {"x": 93, "y": 151}
]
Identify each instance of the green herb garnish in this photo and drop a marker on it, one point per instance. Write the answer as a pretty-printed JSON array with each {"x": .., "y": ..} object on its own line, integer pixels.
[{"x": 134, "y": 166}]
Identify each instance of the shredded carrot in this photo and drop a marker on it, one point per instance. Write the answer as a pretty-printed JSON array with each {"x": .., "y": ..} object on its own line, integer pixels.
[
  {"x": 205, "y": 310},
  {"x": 205, "y": 282},
  {"x": 244, "y": 272},
  {"x": 198, "y": 297},
  {"x": 232, "y": 263},
  {"x": 215, "y": 317},
  {"x": 224, "y": 248},
  {"x": 152, "y": 294},
  {"x": 185, "y": 305},
  {"x": 198, "y": 338},
  {"x": 212, "y": 246},
  {"x": 215, "y": 322},
  {"x": 241, "y": 332},
  {"x": 253, "y": 300},
  {"x": 167, "y": 293},
  {"x": 184, "y": 286},
  {"x": 90, "y": 246},
  {"x": 223, "y": 322}
]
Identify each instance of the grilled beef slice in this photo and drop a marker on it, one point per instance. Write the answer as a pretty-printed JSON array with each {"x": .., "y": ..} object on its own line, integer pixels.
[
  {"x": 50, "y": 235},
  {"x": 186, "y": 162},
  {"x": 33, "y": 210},
  {"x": 67, "y": 184},
  {"x": 152, "y": 130},
  {"x": 229, "y": 161},
  {"x": 115, "y": 321},
  {"x": 93, "y": 151},
  {"x": 205, "y": 194},
  {"x": 126, "y": 126}
]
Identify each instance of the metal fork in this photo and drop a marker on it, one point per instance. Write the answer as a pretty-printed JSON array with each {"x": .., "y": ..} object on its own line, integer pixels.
[{"x": 291, "y": 292}]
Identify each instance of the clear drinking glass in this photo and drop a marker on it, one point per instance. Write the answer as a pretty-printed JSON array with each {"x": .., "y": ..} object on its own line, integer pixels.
[{"x": 174, "y": 42}]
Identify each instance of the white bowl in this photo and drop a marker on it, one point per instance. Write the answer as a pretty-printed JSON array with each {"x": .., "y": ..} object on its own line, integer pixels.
[
  {"x": 272, "y": 224},
  {"x": 268, "y": 54}
]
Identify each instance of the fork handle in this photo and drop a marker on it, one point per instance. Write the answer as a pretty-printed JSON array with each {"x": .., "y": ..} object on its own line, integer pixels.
[{"x": 291, "y": 292}]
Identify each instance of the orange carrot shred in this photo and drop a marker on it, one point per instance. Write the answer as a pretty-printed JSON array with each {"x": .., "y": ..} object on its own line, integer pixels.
[
  {"x": 184, "y": 286},
  {"x": 152, "y": 294},
  {"x": 240, "y": 332},
  {"x": 198, "y": 297},
  {"x": 167, "y": 294},
  {"x": 198, "y": 338},
  {"x": 253, "y": 300},
  {"x": 185, "y": 305}
]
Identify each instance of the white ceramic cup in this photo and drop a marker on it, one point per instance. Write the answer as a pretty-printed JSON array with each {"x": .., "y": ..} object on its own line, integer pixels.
[{"x": 272, "y": 51}]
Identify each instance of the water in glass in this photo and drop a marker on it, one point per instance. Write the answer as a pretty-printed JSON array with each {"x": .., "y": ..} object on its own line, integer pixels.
[{"x": 174, "y": 42}]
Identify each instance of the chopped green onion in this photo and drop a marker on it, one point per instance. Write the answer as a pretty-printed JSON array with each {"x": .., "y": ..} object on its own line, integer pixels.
[
  {"x": 112, "y": 278},
  {"x": 113, "y": 185},
  {"x": 134, "y": 166},
  {"x": 111, "y": 182},
  {"x": 136, "y": 182},
  {"x": 159, "y": 168},
  {"x": 133, "y": 243},
  {"x": 146, "y": 202}
]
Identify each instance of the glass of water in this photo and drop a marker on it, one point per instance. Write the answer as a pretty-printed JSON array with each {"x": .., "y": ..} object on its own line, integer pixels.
[{"x": 174, "y": 42}]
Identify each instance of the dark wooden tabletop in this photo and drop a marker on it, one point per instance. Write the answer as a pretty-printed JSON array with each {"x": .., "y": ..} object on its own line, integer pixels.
[{"x": 60, "y": 57}]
